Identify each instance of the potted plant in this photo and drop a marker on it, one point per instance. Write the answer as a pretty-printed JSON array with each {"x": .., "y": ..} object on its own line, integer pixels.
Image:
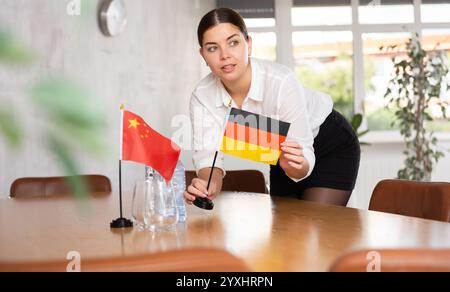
[
  {"x": 356, "y": 123},
  {"x": 418, "y": 82}
]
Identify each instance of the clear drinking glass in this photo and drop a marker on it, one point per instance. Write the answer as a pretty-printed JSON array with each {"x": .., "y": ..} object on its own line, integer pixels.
[
  {"x": 138, "y": 207},
  {"x": 161, "y": 211}
]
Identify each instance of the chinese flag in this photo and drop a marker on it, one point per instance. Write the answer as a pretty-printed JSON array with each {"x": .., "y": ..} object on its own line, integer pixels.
[{"x": 142, "y": 144}]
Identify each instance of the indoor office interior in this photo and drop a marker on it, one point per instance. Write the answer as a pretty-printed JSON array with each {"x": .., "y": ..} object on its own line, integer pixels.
[{"x": 71, "y": 201}]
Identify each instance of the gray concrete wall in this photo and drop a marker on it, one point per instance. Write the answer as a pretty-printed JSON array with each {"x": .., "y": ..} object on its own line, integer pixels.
[{"x": 152, "y": 67}]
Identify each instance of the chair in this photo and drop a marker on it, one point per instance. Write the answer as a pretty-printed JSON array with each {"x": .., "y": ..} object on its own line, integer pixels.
[
  {"x": 394, "y": 260},
  {"x": 429, "y": 200},
  {"x": 188, "y": 260},
  {"x": 251, "y": 181},
  {"x": 51, "y": 186}
]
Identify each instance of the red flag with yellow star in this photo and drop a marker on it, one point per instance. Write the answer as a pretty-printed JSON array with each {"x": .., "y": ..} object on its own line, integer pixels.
[{"x": 142, "y": 144}]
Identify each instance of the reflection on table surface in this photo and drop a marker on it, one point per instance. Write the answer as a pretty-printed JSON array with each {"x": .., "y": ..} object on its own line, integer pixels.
[{"x": 268, "y": 233}]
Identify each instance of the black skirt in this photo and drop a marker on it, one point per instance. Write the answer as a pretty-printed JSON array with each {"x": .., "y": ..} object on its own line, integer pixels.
[{"x": 337, "y": 152}]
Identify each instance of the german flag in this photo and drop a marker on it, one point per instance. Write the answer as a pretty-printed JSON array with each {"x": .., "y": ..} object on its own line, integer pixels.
[{"x": 252, "y": 136}]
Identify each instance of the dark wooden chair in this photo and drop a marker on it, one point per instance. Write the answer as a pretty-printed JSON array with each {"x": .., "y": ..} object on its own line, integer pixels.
[
  {"x": 186, "y": 260},
  {"x": 251, "y": 181},
  {"x": 428, "y": 200},
  {"x": 394, "y": 260},
  {"x": 51, "y": 186}
]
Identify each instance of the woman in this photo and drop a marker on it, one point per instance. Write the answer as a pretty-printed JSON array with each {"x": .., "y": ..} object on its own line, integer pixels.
[{"x": 320, "y": 159}]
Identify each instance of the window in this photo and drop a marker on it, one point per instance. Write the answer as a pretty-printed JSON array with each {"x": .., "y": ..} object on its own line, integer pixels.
[
  {"x": 259, "y": 17},
  {"x": 378, "y": 68},
  {"x": 305, "y": 13},
  {"x": 259, "y": 22},
  {"x": 323, "y": 56},
  {"x": 334, "y": 45},
  {"x": 264, "y": 45},
  {"x": 323, "y": 61},
  {"x": 439, "y": 39},
  {"x": 435, "y": 11},
  {"x": 386, "y": 11}
]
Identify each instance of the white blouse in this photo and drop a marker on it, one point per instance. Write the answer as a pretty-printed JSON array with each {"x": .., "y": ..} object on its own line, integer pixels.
[{"x": 274, "y": 92}]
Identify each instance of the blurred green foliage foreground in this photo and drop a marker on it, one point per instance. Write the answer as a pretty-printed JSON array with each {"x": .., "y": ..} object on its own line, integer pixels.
[{"x": 69, "y": 122}]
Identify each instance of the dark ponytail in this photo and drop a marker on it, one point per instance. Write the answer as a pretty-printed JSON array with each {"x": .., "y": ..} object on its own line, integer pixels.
[{"x": 217, "y": 16}]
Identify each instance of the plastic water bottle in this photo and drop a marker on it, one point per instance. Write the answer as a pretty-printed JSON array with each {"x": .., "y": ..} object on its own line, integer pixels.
[{"x": 179, "y": 185}]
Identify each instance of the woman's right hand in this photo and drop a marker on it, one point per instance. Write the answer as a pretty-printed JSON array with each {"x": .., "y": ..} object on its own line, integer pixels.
[{"x": 197, "y": 188}]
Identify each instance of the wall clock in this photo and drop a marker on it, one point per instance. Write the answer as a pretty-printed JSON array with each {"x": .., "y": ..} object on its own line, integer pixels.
[{"x": 113, "y": 17}]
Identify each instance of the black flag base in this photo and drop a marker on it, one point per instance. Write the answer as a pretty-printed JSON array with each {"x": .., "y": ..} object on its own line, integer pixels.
[
  {"x": 121, "y": 223},
  {"x": 204, "y": 203}
]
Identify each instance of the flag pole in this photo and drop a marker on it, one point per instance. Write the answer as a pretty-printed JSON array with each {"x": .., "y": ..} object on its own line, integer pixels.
[
  {"x": 212, "y": 169},
  {"x": 121, "y": 222},
  {"x": 205, "y": 203},
  {"x": 120, "y": 188}
]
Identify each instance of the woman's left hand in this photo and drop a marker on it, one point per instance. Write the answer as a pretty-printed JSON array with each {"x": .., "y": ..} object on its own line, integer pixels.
[{"x": 292, "y": 161}]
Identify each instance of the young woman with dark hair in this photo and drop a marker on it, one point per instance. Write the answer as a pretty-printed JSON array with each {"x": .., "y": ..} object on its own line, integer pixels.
[{"x": 320, "y": 159}]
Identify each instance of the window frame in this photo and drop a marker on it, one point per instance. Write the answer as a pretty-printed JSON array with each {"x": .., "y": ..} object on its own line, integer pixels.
[{"x": 284, "y": 29}]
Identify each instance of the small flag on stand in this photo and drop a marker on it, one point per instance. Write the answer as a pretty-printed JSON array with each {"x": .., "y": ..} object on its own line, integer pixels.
[
  {"x": 252, "y": 136},
  {"x": 142, "y": 144}
]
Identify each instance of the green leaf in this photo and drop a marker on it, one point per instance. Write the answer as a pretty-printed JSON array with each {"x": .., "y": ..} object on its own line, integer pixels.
[
  {"x": 10, "y": 128},
  {"x": 69, "y": 113},
  {"x": 12, "y": 51},
  {"x": 67, "y": 103},
  {"x": 67, "y": 163},
  {"x": 356, "y": 121},
  {"x": 84, "y": 138},
  {"x": 360, "y": 134}
]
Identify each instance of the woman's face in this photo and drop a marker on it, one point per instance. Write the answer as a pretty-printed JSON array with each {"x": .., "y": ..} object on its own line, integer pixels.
[{"x": 226, "y": 51}]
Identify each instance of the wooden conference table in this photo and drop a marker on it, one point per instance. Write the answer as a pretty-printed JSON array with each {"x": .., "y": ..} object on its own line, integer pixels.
[{"x": 268, "y": 233}]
